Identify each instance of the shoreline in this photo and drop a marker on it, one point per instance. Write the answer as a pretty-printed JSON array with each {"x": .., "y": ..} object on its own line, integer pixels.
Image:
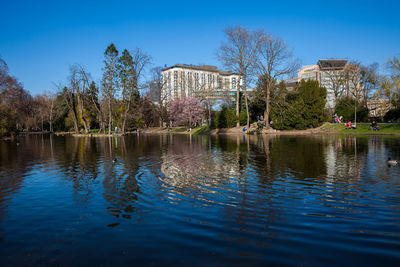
[
  {"x": 325, "y": 129},
  {"x": 321, "y": 130}
]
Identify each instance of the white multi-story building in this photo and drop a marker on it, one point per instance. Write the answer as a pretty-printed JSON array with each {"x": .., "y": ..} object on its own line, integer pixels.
[
  {"x": 200, "y": 81},
  {"x": 331, "y": 74}
]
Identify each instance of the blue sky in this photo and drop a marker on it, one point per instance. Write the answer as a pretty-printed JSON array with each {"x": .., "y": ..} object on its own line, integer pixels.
[{"x": 39, "y": 40}]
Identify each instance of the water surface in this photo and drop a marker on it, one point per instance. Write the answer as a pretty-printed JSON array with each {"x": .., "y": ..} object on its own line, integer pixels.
[{"x": 199, "y": 201}]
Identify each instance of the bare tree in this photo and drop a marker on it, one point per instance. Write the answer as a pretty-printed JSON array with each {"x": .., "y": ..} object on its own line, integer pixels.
[
  {"x": 91, "y": 96},
  {"x": 369, "y": 79},
  {"x": 70, "y": 101},
  {"x": 353, "y": 83},
  {"x": 130, "y": 72},
  {"x": 393, "y": 65},
  {"x": 205, "y": 93},
  {"x": 157, "y": 95},
  {"x": 79, "y": 84},
  {"x": 49, "y": 102},
  {"x": 337, "y": 83},
  {"x": 274, "y": 61},
  {"x": 239, "y": 54}
]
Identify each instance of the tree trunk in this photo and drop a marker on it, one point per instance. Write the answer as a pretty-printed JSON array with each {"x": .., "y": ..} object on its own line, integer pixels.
[
  {"x": 109, "y": 116},
  {"x": 125, "y": 116},
  {"x": 247, "y": 105},
  {"x": 51, "y": 117},
  {"x": 237, "y": 104},
  {"x": 209, "y": 114},
  {"x": 355, "y": 114},
  {"x": 267, "y": 107},
  {"x": 85, "y": 124},
  {"x": 74, "y": 117},
  {"x": 124, "y": 110},
  {"x": 51, "y": 124},
  {"x": 247, "y": 110}
]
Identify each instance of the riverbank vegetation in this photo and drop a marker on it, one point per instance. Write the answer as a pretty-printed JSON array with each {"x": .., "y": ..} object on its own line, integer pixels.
[{"x": 129, "y": 95}]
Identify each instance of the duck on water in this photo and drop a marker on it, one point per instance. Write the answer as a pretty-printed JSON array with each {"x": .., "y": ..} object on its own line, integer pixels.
[{"x": 392, "y": 162}]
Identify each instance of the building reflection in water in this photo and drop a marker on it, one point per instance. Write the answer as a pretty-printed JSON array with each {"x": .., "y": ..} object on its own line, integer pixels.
[{"x": 233, "y": 174}]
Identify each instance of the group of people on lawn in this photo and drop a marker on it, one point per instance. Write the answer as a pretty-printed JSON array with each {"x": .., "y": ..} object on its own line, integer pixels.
[
  {"x": 348, "y": 125},
  {"x": 372, "y": 127}
]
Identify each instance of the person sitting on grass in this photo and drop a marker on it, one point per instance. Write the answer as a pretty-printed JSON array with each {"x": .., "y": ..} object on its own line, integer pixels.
[
  {"x": 349, "y": 126},
  {"x": 374, "y": 126}
]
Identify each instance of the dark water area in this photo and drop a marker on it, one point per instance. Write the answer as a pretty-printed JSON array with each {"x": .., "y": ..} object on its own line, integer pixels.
[{"x": 186, "y": 200}]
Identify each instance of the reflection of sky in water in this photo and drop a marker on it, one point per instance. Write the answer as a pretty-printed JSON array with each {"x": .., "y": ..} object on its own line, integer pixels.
[{"x": 169, "y": 199}]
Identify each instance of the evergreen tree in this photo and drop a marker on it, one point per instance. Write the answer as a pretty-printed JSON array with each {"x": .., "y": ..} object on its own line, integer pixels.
[
  {"x": 314, "y": 99},
  {"x": 110, "y": 80},
  {"x": 301, "y": 109}
]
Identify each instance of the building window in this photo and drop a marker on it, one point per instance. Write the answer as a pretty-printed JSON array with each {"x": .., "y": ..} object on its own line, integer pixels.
[
  {"x": 190, "y": 83},
  {"x": 226, "y": 84},
  {"x": 213, "y": 81},
  {"x": 233, "y": 83},
  {"x": 183, "y": 83},
  {"x": 176, "y": 83},
  {"x": 196, "y": 81}
]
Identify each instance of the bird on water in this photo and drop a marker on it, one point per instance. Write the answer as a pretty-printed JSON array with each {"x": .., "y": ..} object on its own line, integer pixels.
[{"x": 392, "y": 161}]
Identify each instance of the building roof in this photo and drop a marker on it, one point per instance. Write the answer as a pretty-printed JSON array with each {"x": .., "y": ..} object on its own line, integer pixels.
[
  {"x": 332, "y": 64},
  {"x": 201, "y": 68}
]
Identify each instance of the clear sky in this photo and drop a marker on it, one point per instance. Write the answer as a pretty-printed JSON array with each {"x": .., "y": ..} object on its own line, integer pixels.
[{"x": 40, "y": 39}]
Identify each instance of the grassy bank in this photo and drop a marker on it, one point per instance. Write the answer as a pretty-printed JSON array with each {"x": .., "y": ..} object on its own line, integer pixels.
[
  {"x": 196, "y": 130},
  {"x": 327, "y": 128},
  {"x": 362, "y": 128}
]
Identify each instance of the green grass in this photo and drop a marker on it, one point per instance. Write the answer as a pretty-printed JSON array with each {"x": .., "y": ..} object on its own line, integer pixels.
[
  {"x": 179, "y": 129},
  {"x": 363, "y": 128},
  {"x": 201, "y": 130},
  {"x": 196, "y": 130}
]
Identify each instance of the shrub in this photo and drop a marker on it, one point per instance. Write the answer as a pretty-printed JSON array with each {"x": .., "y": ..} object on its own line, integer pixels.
[
  {"x": 243, "y": 117},
  {"x": 392, "y": 115},
  {"x": 302, "y": 109},
  {"x": 225, "y": 118},
  {"x": 345, "y": 108}
]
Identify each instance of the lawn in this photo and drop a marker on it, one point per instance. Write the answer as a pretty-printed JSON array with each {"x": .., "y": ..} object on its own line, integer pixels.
[
  {"x": 363, "y": 128},
  {"x": 196, "y": 130},
  {"x": 201, "y": 130}
]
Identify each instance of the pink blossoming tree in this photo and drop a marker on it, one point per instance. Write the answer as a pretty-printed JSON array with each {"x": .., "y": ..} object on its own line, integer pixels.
[{"x": 185, "y": 111}]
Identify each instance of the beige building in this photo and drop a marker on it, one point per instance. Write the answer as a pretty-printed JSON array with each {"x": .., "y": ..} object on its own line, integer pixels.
[
  {"x": 331, "y": 74},
  {"x": 200, "y": 81},
  {"x": 378, "y": 107}
]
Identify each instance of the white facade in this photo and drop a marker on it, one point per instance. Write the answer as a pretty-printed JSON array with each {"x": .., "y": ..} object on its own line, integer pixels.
[
  {"x": 187, "y": 80},
  {"x": 378, "y": 107},
  {"x": 330, "y": 74}
]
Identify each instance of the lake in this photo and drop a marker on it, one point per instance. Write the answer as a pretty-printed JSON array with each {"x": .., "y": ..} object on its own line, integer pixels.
[{"x": 183, "y": 200}]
